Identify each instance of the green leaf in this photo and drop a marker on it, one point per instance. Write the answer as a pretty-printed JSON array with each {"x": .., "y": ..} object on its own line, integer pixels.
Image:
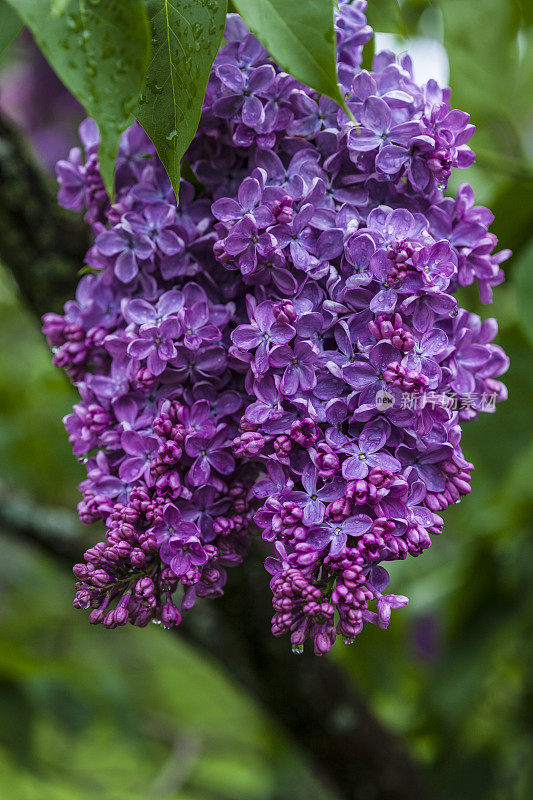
[
  {"x": 10, "y": 26},
  {"x": 186, "y": 35},
  {"x": 100, "y": 52},
  {"x": 300, "y": 36},
  {"x": 411, "y": 13},
  {"x": 18, "y": 716},
  {"x": 527, "y": 12},
  {"x": 481, "y": 41},
  {"x": 524, "y": 287},
  {"x": 523, "y": 105},
  {"x": 385, "y": 16},
  {"x": 369, "y": 51},
  {"x": 512, "y": 217},
  {"x": 58, "y": 6}
]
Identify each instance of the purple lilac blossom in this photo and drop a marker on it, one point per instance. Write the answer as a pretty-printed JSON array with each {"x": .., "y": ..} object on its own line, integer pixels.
[{"x": 230, "y": 354}]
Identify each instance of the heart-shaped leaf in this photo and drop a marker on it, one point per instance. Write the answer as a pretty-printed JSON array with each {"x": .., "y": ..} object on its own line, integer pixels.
[
  {"x": 100, "y": 51},
  {"x": 186, "y": 35},
  {"x": 385, "y": 16},
  {"x": 10, "y": 26},
  {"x": 300, "y": 36}
]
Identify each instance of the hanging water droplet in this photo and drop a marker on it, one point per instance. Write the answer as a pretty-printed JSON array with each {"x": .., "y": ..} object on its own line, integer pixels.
[
  {"x": 297, "y": 649},
  {"x": 349, "y": 641}
]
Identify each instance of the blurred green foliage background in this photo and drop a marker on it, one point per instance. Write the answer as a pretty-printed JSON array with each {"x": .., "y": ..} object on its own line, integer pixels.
[{"x": 88, "y": 713}]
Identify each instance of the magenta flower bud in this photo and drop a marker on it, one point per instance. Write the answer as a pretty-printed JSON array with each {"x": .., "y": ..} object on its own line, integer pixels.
[
  {"x": 462, "y": 486},
  {"x": 82, "y": 598},
  {"x": 221, "y": 526},
  {"x": 326, "y": 460},
  {"x": 95, "y": 336},
  {"x": 339, "y": 509},
  {"x": 137, "y": 557},
  {"x": 170, "y": 616},
  {"x": 245, "y": 426},
  {"x": 433, "y": 503},
  {"x": 74, "y": 333},
  {"x": 128, "y": 532},
  {"x": 96, "y": 616},
  {"x": 403, "y": 341},
  {"x": 283, "y": 210},
  {"x": 306, "y": 555},
  {"x": 80, "y": 571},
  {"x": 379, "y": 477},
  {"x": 123, "y": 550},
  {"x": 382, "y": 526},
  {"x": 54, "y": 328},
  {"x": 299, "y": 533},
  {"x": 145, "y": 379},
  {"x": 170, "y": 452},
  {"x": 249, "y": 444},
  {"x": 322, "y": 644},
  {"x": 282, "y": 445},
  {"x": 291, "y": 513},
  {"x": 144, "y": 587},
  {"x": 100, "y": 578},
  {"x": 97, "y": 418},
  {"x": 148, "y": 542},
  {"x": 304, "y": 432},
  {"x": 109, "y": 620},
  {"x": 285, "y": 311},
  {"x": 121, "y": 611}
]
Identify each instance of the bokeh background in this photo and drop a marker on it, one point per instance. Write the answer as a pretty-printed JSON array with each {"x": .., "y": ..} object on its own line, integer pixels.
[{"x": 86, "y": 713}]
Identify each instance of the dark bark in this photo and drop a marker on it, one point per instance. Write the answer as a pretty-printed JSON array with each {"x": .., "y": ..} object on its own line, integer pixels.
[
  {"x": 56, "y": 531},
  {"x": 312, "y": 698},
  {"x": 42, "y": 245}
]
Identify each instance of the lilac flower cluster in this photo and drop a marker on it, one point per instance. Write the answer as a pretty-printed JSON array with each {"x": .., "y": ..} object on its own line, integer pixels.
[
  {"x": 232, "y": 354},
  {"x": 146, "y": 342}
]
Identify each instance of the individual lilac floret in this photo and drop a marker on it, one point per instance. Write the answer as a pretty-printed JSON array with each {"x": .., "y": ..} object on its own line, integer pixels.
[{"x": 128, "y": 247}]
